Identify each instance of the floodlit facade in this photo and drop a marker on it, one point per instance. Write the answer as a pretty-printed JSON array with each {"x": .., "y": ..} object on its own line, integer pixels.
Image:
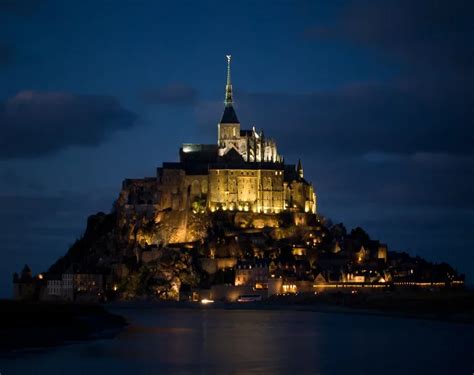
[{"x": 242, "y": 172}]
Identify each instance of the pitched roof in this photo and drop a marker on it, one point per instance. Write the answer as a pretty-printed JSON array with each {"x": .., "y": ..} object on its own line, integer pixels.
[
  {"x": 229, "y": 116},
  {"x": 233, "y": 156}
]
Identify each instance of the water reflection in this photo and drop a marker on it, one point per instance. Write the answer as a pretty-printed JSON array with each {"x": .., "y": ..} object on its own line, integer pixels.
[{"x": 266, "y": 342}]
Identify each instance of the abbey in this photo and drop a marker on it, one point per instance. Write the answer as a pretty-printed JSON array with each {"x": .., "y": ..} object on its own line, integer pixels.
[
  {"x": 229, "y": 219},
  {"x": 243, "y": 171}
]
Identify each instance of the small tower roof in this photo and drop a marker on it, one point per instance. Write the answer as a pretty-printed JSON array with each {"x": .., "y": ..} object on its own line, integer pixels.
[
  {"x": 26, "y": 269},
  {"x": 229, "y": 116},
  {"x": 299, "y": 169}
]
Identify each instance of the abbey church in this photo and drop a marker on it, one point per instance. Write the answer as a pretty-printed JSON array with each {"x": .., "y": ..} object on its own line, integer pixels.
[{"x": 242, "y": 171}]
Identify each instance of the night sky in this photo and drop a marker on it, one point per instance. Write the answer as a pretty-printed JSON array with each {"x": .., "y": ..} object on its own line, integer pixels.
[{"x": 375, "y": 97}]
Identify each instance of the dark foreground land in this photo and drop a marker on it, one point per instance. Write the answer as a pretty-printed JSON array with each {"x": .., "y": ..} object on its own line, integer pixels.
[{"x": 28, "y": 325}]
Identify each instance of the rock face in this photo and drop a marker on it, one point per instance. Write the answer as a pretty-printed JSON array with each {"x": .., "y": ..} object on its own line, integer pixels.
[
  {"x": 97, "y": 248},
  {"x": 155, "y": 254},
  {"x": 160, "y": 275},
  {"x": 162, "y": 227},
  {"x": 128, "y": 253},
  {"x": 159, "y": 255}
]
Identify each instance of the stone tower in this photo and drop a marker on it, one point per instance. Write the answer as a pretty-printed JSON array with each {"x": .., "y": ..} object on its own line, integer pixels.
[{"x": 229, "y": 126}]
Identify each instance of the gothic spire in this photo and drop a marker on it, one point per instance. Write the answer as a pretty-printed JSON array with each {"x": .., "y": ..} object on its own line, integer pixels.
[
  {"x": 299, "y": 169},
  {"x": 229, "y": 116},
  {"x": 228, "y": 86}
]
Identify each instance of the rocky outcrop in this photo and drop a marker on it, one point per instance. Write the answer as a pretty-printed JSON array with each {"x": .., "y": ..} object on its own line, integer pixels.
[
  {"x": 163, "y": 227},
  {"x": 151, "y": 254},
  {"x": 138, "y": 264},
  {"x": 257, "y": 220},
  {"x": 160, "y": 275}
]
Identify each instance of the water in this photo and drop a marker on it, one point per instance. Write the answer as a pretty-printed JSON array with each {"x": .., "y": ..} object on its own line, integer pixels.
[{"x": 179, "y": 341}]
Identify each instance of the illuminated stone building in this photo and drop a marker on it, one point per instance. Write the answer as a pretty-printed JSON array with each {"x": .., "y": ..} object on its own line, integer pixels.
[
  {"x": 242, "y": 172},
  {"x": 252, "y": 273}
]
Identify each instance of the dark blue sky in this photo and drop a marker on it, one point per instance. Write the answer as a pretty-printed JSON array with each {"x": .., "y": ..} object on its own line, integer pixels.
[{"x": 376, "y": 98}]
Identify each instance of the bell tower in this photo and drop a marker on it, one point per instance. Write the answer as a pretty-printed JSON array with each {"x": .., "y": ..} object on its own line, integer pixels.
[{"x": 229, "y": 126}]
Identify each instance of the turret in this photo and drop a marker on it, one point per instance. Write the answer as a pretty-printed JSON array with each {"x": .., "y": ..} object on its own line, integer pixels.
[
  {"x": 299, "y": 169},
  {"x": 26, "y": 272}
]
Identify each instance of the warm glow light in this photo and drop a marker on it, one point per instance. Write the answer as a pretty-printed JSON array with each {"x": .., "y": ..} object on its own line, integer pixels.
[
  {"x": 206, "y": 301},
  {"x": 40, "y": 276},
  {"x": 289, "y": 288},
  {"x": 350, "y": 285}
]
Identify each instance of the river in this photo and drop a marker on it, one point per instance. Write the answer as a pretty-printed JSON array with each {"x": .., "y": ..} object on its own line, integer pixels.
[{"x": 213, "y": 341}]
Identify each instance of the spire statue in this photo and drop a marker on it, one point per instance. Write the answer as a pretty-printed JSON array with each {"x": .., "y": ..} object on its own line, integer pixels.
[{"x": 228, "y": 86}]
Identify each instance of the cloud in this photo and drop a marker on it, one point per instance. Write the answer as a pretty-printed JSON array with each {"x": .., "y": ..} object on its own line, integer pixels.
[
  {"x": 39, "y": 123},
  {"x": 430, "y": 36},
  {"x": 367, "y": 118},
  {"x": 418, "y": 180},
  {"x": 425, "y": 106},
  {"x": 174, "y": 94}
]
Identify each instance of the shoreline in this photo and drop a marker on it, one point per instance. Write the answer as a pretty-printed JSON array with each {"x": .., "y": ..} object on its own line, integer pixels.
[
  {"x": 323, "y": 308},
  {"x": 443, "y": 307}
]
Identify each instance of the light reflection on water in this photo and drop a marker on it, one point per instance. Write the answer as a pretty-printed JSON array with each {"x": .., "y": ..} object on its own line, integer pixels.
[{"x": 265, "y": 342}]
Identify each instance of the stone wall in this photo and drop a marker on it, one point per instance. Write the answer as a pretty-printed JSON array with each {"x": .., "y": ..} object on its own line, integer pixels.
[
  {"x": 256, "y": 220},
  {"x": 211, "y": 266},
  {"x": 246, "y": 190}
]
